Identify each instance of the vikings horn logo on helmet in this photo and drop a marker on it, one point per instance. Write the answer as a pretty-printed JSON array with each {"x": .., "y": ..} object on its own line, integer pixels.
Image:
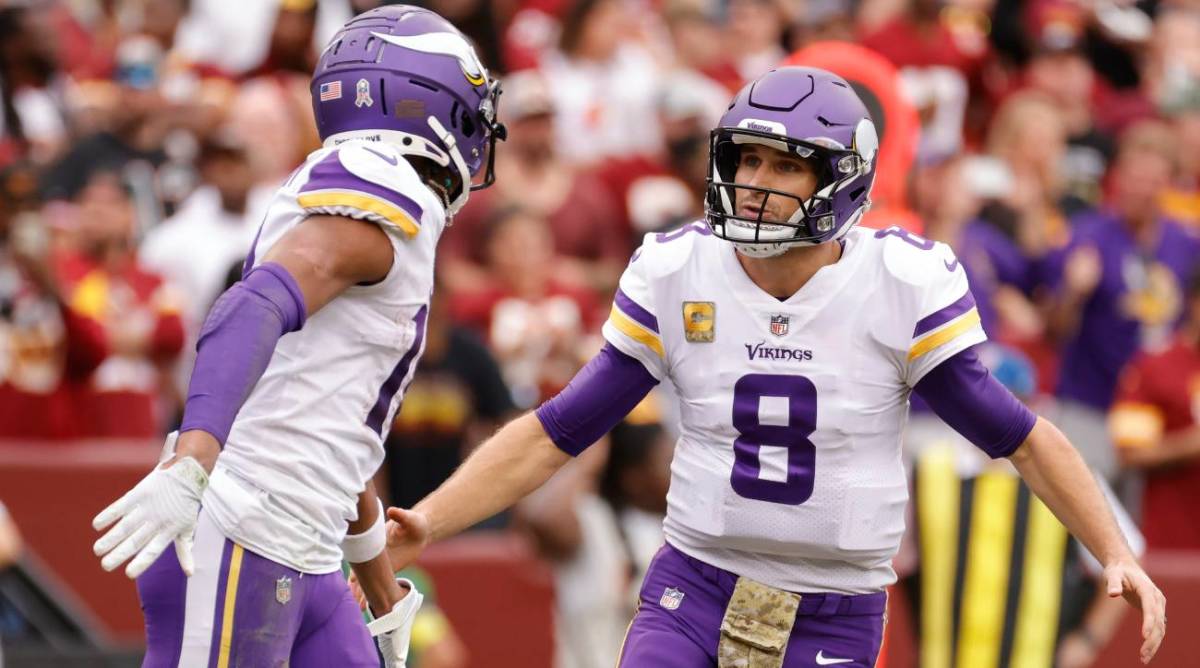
[{"x": 447, "y": 44}]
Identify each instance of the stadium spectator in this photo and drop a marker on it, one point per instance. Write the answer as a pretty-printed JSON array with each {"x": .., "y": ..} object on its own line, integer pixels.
[
  {"x": 46, "y": 347},
  {"x": 235, "y": 36},
  {"x": 533, "y": 321},
  {"x": 940, "y": 55},
  {"x": 578, "y": 533},
  {"x": 661, "y": 197},
  {"x": 604, "y": 84},
  {"x": 694, "y": 28},
  {"x": 755, "y": 35},
  {"x": 634, "y": 483},
  {"x": 1059, "y": 69},
  {"x": 140, "y": 314},
  {"x": 1156, "y": 427},
  {"x": 532, "y": 172},
  {"x": 1117, "y": 286},
  {"x": 290, "y": 46},
  {"x": 455, "y": 399},
  {"x": 1182, "y": 200},
  {"x": 33, "y": 121},
  {"x": 210, "y": 232}
]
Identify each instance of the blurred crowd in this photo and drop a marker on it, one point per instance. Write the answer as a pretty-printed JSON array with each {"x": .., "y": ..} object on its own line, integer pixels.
[{"x": 1054, "y": 144}]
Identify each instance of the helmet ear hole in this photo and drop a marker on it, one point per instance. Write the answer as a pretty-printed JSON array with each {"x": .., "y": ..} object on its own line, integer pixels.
[{"x": 857, "y": 194}]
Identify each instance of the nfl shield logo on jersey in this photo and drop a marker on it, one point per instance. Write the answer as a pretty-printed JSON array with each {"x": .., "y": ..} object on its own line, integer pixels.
[
  {"x": 671, "y": 598},
  {"x": 779, "y": 324},
  {"x": 283, "y": 590},
  {"x": 362, "y": 94}
]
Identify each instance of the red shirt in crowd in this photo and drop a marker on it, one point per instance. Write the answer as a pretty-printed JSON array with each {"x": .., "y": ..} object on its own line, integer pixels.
[
  {"x": 145, "y": 333},
  {"x": 46, "y": 352},
  {"x": 1160, "y": 395}
]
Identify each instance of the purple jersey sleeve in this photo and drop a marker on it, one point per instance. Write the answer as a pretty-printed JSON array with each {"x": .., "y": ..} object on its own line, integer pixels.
[
  {"x": 236, "y": 345},
  {"x": 597, "y": 398},
  {"x": 962, "y": 392}
]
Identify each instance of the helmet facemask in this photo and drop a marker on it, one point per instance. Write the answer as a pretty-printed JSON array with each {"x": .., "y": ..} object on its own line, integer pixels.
[{"x": 814, "y": 220}]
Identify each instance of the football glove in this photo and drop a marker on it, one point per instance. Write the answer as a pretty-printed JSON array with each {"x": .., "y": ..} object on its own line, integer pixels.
[
  {"x": 393, "y": 630},
  {"x": 162, "y": 508}
]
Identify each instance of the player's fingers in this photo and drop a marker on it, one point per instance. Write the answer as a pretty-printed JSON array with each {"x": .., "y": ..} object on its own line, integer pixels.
[
  {"x": 115, "y": 535},
  {"x": 1147, "y": 595},
  {"x": 183, "y": 551},
  {"x": 1115, "y": 584},
  {"x": 399, "y": 516},
  {"x": 1154, "y": 626},
  {"x": 128, "y": 547},
  {"x": 409, "y": 525},
  {"x": 113, "y": 512},
  {"x": 148, "y": 555}
]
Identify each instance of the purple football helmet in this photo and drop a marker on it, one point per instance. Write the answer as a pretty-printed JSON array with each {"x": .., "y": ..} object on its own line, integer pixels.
[
  {"x": 815, "y": 115},
  {"x": 405, "y": 75}
]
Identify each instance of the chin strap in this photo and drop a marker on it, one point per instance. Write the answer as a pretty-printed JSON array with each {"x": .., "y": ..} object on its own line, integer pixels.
[{"x": 457, "y": 161}]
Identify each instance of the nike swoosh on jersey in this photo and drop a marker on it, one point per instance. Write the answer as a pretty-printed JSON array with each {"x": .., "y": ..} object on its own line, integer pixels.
[
  {"x": 823, "y": 660},
  {"x": 951, "y": 266},
  {"x": 393, "y": 161}
]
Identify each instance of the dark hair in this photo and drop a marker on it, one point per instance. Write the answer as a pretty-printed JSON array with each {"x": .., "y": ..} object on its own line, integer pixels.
[
  {"x": 498, "y": 218},
  {"x": 630, "y": 447},
  {"x": 11, "y": 22},
  {"x": 572, "y": 24}
]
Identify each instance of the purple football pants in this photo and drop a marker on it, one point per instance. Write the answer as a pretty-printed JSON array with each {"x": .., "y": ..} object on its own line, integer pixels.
[
  {"x": 241, "y": 609},
  {"x": 830, "y": 629}
]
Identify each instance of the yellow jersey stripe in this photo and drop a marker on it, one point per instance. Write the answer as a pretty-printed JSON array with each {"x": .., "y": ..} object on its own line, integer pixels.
[
  {"x": 946, "y": 334},
  {"x": 231, "y": 585},
  {"x": 985, "y": 585},
  {"x": 1041, "y": 588},
  {"x": 389, "y": 212},
  {"x": 938, "y": 492},
  {"x": 634, "y": 330}
]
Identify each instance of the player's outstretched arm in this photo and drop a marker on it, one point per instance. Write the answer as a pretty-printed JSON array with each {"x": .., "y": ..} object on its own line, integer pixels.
[
  {"x": 524, "y": 454},
  {"x": 313, "y": 263},
  {"x": 509, "y": 465},
  {"x": 1058, "y": 475}
]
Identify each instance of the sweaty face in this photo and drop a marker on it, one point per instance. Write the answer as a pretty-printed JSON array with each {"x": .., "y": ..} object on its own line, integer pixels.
[{"x": 765, "y": 167}]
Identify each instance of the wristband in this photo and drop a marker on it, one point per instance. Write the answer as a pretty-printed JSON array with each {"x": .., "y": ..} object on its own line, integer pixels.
[{"x": 365, "y": 546}]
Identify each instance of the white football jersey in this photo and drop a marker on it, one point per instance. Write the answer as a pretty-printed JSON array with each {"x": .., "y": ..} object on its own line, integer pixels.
[
  {"x": 788, "y": 468},
  {"x": 311, "y": 432}
]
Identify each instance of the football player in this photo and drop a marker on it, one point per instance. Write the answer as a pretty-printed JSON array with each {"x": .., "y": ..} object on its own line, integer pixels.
[
  {"x": 311, "y": 352},
  {"x": 793, "y": 341}
]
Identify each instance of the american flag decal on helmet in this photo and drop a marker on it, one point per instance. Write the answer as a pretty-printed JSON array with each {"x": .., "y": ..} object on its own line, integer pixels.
[{"x": 331, "y": 90}]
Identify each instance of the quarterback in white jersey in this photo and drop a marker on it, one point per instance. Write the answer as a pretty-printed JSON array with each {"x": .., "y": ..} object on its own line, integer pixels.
[
  {"x": 301, "y": 366},
  {"x": 793, "y": 341}
]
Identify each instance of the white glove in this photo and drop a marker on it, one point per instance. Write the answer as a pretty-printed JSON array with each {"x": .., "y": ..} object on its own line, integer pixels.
[
  {"x": 393, "y": 630},
  {"x": 161, "y": 508}
]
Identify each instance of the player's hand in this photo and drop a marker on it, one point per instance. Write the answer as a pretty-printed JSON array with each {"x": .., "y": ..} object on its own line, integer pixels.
[
  {"x": 1127, "y": 579},
  {"x": 160, "y": 509},
  {"x": 393, "y": 631},
  {"x": 407, "y": 535}
]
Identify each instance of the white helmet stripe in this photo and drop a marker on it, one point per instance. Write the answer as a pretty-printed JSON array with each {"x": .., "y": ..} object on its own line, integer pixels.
[{"x": 444, "y": 43}]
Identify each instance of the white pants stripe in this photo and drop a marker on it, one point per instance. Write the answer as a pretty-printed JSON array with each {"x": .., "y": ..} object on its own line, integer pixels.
[{"x": 200, "y": 610}]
